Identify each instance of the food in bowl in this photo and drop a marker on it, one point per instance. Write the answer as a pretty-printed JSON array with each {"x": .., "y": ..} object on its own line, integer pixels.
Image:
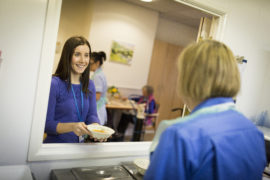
[{"x": 99, "y": 131}]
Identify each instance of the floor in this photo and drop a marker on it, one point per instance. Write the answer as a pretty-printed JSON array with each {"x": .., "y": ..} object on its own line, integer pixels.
[{"x": 148, "y": 136}]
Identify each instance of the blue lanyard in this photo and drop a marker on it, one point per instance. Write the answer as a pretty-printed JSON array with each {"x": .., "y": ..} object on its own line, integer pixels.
[{"x": 76, "y": 104}]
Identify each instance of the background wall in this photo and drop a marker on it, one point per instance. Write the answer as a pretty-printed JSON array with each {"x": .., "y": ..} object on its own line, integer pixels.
[
  {"x": 21, "y": 32},
  {"x": 175, "y": 33},
  {"x": 119, "y": 21},
  {"x": 264, "y": 98},
  {"x": 246, "y": 34},
  {"x": 75, "y": 19}
]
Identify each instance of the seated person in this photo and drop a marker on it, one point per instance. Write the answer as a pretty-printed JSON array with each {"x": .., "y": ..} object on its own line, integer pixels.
[
  {"x": 215, "y": 141},
  {"x": 150, "y": 107}
]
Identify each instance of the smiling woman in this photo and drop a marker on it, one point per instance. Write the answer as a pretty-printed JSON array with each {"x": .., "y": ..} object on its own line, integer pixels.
[{"x": 72, "y": 101}]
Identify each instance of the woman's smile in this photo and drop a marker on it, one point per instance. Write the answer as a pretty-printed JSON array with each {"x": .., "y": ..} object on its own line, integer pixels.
[{"x": 80, "y": 59}]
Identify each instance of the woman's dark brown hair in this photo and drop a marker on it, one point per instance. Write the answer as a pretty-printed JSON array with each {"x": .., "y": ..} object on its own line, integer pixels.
[{"x": 63, "y": 70}]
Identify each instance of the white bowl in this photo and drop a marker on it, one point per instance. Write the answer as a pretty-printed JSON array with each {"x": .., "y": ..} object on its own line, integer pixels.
[
  {"x": 142, "y": 165},
  {"x": 100, "y": 132}
]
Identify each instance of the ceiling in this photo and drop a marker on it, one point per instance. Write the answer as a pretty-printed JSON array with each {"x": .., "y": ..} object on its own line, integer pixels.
[{"x": 173, "y": 10}]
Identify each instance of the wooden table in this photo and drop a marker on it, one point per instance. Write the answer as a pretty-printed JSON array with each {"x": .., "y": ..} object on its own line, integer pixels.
[
  {"x": 115, "y": 107},
  {"x": 114, "y": 110},
  {"x": 121, "y": 104}
]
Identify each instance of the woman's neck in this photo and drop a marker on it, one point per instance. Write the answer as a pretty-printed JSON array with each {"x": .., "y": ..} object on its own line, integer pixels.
[{"x": 75, "y": 78}]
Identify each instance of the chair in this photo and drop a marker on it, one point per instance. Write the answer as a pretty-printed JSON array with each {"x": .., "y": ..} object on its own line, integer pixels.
[
  {"x": 153, "y": 117},
  {"x": 178, "y": 109},
  {"x": 183, "y": 111}
]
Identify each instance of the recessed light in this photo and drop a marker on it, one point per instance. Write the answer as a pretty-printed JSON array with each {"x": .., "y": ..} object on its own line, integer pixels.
[{"x": 147, "y": 0}]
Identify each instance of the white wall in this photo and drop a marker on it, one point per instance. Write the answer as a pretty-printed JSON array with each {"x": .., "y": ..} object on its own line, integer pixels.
[
  {"x": 175, "y": 33},
  {"x": 264, "y": 99},
  {"x": 116, "y": 20},
  {"x": 21, "y": 32},
  {"x": 246, "y": 34}
]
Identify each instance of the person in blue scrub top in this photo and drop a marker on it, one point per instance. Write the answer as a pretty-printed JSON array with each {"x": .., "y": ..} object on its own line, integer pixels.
[
  {"x": 215, "y": 141},
  {"x": 72, "y": 99},
  {"x": 99, "y": 78}
]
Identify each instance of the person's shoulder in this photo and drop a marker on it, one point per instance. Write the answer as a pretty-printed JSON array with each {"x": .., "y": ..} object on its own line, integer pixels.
[
  {"x": 55, "y": 81},
  {"x": 100, "y": 76},
  {"x": 212, "y": 124},
  {"x": 91, "y": 82},
  {"x": 91, "y": 85},
  {"x": 177, "y": 133},
  {"x": 99, "y": 73},
  {"x": 56, "y": 84},
  {"x": 178, "y": 126},
  {"x": 152, "y": 99},
  {"x": 186, "y": 127},
  {"x": 172, "y": 125}
]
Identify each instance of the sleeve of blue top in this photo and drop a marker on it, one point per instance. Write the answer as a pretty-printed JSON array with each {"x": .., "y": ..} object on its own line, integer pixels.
[
  {"x": 151, "y": 107},
  {"x": 98, "y": 83},
  {"x": 92, "y": 116},
  {"x": 168, "y": 160},
  {"x": 50, "y": 126}
]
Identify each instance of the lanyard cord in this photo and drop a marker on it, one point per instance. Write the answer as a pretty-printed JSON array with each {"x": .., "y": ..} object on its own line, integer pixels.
[{"x": 76, "y": 104}]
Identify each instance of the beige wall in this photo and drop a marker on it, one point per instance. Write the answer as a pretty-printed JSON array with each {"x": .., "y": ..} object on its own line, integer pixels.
[
  {"x": 75, "y": 19},
  {"x": 175, "y": 33},
  {"x": 247, "y": 34},
  {"x": 117, "y": 20},
  {"x": 120, "y": 21}
]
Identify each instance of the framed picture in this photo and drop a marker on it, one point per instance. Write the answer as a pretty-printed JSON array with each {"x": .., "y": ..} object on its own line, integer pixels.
[{"x": 122, "y": 52}]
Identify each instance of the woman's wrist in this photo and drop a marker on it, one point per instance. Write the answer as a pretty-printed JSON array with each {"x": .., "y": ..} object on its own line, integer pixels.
[{"x": 64, "y": 128}]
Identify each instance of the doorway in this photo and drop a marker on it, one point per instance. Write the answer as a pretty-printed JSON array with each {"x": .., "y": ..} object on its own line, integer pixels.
[
  {"x": 163, "y": 76},
  {"x": 163, "y": 70}
]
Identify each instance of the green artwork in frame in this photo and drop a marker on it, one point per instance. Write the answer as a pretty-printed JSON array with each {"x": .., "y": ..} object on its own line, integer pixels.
[{"x": 122, "y": 52}]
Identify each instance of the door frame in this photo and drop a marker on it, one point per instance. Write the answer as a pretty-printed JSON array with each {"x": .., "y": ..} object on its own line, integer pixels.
[
  {"x": 37, "y": 150},
  {"x": 219, "y": 13}
]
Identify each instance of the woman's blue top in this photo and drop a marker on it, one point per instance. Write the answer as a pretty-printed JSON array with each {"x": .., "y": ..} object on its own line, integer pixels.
[
  {"x": 222, "y": 145},
  {"x": 62, "y": 108}
]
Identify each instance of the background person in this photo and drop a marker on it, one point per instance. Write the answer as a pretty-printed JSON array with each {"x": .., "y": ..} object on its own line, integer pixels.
[
  {"x": 72, "y": 99},
  {"x": 147, "y": 98},
  {"x": 99, "y": 78},
  {"x": 215, "y": 141}
]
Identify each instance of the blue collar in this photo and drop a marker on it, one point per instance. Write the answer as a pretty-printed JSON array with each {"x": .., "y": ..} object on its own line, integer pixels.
[{"x": 212, "y": 102}]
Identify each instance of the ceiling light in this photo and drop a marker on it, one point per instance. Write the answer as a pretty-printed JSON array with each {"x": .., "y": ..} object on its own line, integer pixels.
[{"x": 147, "y": 0}]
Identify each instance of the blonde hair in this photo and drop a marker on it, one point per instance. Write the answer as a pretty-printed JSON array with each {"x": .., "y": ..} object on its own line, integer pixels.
[{"x": 207, "y": 69}]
